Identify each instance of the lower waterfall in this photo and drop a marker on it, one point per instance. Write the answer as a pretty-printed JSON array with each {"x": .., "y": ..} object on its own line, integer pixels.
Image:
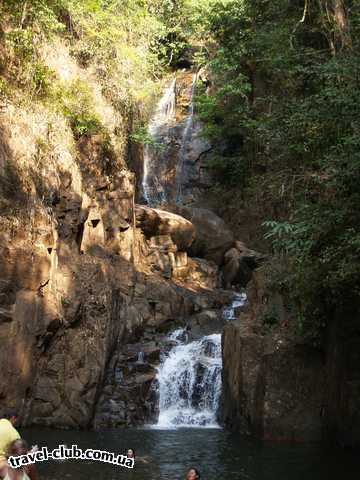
[{"x": 189, "y": 380}]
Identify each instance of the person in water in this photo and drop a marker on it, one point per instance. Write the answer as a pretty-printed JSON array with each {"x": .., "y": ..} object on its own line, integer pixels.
[
  {"x": 131, "y": 453},
  {"x": 193, "y": 474},
  {"x": 27, "y": 472},
  {"x": 8, "y": 432}
]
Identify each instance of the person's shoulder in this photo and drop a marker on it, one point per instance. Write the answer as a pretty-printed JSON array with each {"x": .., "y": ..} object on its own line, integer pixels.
[
  {"x": 6, "y": 425},
  {"x": 3, "y": 467}
]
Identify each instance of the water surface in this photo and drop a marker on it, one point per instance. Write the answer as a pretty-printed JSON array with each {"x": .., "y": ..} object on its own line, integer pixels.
[{"x": 217, "y": 454}]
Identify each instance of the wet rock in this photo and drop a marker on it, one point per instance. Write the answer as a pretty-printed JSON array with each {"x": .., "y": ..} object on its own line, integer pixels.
[{"x": 206, "y": 322}]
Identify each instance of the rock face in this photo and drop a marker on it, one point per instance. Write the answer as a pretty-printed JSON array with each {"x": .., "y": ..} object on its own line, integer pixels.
[
  {"x": 89, "y": 283},
  {"x": 342, "y": 375},
  {"x": 273, "y": 383},
  {"x": 273, "y": 391},
  {"x": 128, "y": 397},
  {"x": 65, "y": 300},
  {"x": 278, "y": 387}
]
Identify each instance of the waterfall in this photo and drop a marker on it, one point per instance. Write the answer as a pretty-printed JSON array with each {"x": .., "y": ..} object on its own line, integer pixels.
[
  {"x": 140, "y": 357},
  {"x": 184, "y": 143},
  {"x": 190, "y": 382},
  {"x": 240, "y": 300},
  {"x": 158, "y": 129}
]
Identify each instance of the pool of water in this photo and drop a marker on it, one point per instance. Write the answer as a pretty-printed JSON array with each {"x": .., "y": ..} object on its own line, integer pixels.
[{"x": 166, "y": 454}]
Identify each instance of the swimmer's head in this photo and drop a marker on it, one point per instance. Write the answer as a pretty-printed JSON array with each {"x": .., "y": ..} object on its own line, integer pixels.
[
  {"x": 193, "y": 474},
  {"x": 130, "y": 453}
]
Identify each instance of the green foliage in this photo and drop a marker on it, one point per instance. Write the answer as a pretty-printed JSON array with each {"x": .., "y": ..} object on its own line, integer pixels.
[
  {"x": 42, "y": 79},
  {"x": 21, "y": 43},
  {"x": 115, "y": 37},
  {"x": 285, "y": 105},
  {"x": 182, "y": 25},
  {"x": 143, "y": 137},
  {"x": 24, "y": 66},
  {"x": 76, "y": 103},
  {"x": 34, "y": 15},
  {"x": 4, "y": 89},
  {"x": 270, "y": 317},
  {"x": 228, "y": 171},
  {"x": 286, "y": 237},
  {"x": 112, "y": 32}
]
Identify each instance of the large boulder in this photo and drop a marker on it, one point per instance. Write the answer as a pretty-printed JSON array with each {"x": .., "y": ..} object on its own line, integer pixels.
[
  {"x": 213, "y": 237},
  {"x": 154, "y": 222},
  {"x": 239, "y": 263}
]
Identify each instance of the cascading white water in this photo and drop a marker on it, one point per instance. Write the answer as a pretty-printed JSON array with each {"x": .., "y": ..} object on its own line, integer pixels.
[
  {"x": 240, "y": 300},
  {"x": 190, "y": 382},
  {"x": 185, "y": 141},
  {"x": 157, "y": 130},
  {"x": 140, "y": 357}
]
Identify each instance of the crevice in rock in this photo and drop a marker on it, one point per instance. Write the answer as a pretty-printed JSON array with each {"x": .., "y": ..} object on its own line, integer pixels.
[
  {"x": 95, "y": 222},
  {"x": 79, "y": 235}
]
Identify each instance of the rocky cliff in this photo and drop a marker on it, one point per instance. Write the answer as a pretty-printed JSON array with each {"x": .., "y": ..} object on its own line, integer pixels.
[{"x": 279, "y": 387}]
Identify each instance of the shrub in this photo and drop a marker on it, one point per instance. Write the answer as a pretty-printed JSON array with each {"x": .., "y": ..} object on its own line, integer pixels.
[{"x": 76, "y": 103}]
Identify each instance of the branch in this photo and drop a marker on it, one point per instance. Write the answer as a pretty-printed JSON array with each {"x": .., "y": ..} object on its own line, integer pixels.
[
  {"x": 306, "y": 8},
  {"x": 24, "y": 13}
]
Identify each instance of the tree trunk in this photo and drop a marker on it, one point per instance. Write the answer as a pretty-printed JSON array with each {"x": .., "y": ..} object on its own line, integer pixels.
[
  {"x": 342, "y": 23},
  {"x": 341, "y": 30}
]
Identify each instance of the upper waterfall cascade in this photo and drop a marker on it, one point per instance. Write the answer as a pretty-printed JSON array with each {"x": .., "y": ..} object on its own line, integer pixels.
[
  {"x": 158, "y": 130},
  {"x": 166, "y": 154},
  {"x": 185, "y": 142}
]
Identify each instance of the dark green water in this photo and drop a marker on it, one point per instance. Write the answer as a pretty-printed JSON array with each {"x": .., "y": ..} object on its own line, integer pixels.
[{"x": 217, "y": 454}]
